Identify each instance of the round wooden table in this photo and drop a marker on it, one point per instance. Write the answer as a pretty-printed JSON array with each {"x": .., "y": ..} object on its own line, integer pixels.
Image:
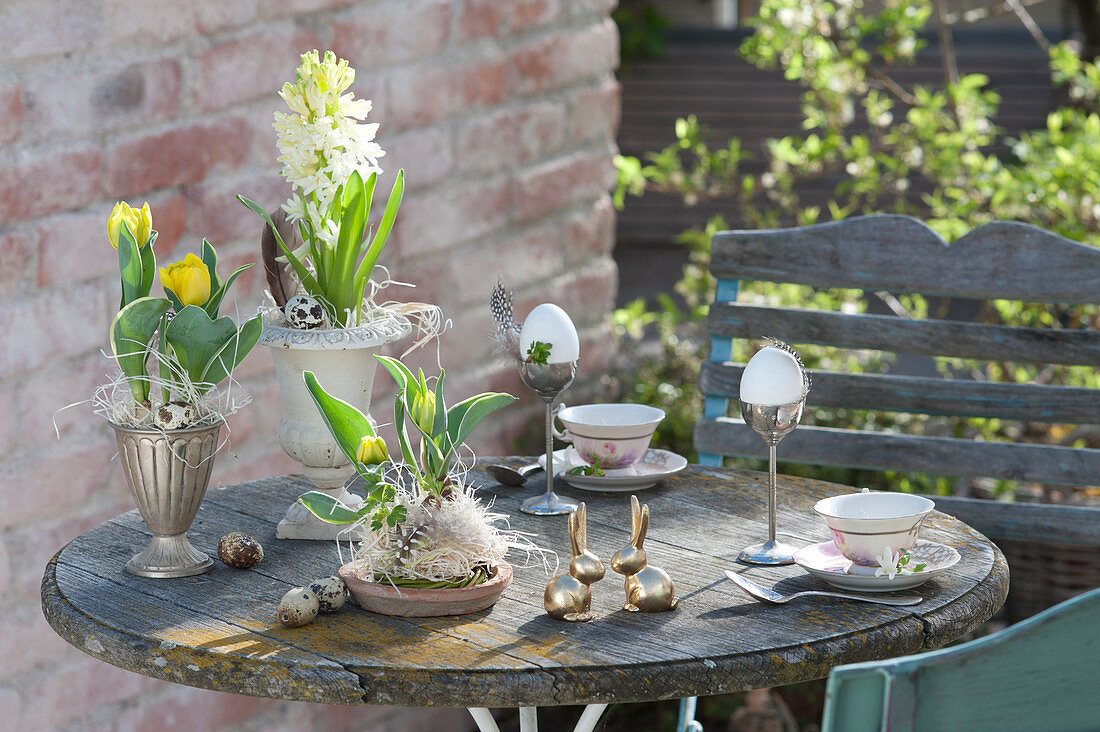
[{"x": 219, "y": 630}]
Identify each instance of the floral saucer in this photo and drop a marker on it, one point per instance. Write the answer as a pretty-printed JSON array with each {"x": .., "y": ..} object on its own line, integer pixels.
[
  {"x": 825, "y": 562},
  {"x": 655, "y": 466}
]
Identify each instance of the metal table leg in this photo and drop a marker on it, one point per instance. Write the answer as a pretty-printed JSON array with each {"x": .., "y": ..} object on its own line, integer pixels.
[{"x": 528, "y": 719}]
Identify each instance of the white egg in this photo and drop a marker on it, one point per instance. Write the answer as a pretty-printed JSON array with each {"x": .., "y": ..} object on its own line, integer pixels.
[
  {"x": 772, "y": 376},
  {"x": 548, "y": 323}
]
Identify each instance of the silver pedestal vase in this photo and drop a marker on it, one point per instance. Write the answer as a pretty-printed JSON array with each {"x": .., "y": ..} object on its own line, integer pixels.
[
  {"x": 168, "y": 473},
  {"x": 772, "y": 422},
  {"x": 548, "y": 381}
]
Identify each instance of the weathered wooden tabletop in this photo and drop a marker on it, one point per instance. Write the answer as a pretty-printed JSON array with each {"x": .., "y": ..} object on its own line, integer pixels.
[{"x": 219, "y": 630}]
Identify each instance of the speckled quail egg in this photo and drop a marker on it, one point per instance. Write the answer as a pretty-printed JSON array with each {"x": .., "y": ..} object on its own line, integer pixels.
[
  {"x": 298, "y": 607},
  {"x": 331, "y": 592},
  {"x": 240, "y": 550},
  {"x": 305, "y": 313},
  {"x": 175, "y": 415}
]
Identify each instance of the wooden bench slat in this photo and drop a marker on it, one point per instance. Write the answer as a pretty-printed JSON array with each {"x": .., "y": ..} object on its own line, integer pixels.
[
  {"x": 928, "y": 395},
  {"x": 1004, "y": 259},
  {"x": 907, "y": 453},
  {"x": 1025, "y": 521},
  {"x": 889, "y": 333}
]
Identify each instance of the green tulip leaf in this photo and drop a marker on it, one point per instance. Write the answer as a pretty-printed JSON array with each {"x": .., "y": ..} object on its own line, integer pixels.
[
  {"x": 148, "y": 265},
  {"x": 209, "y": 257},
  {"x": 130, "y": 267},
  {"x": 463, "y": 417},
  {"x": 196, "y": 339},
  {"x": 232, "y": 352},
  {"x": 331, "y": 510},
  {"x": 131, "y": 332},
  {"x": 347, "y": 424}
]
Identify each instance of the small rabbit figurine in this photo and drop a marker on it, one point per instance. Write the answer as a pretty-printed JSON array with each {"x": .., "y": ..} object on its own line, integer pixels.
[
  {"x": 648, "y": 589},
  {"x": 568, "y": 595}
]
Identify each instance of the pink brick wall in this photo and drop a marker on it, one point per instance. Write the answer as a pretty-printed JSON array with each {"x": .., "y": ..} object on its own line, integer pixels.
[{"x": 503, "y": 114}]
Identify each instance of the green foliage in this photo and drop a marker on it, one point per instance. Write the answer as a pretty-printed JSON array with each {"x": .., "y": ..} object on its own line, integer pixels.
[
  {"x": 643, "y": 30},
  {"x": 442, "y": 432},
  {"x": 337, "y": 274},
  {"x": 880, "y": 140},
  {"x": 137, "y": 265},
  {"x": 131, "y": 331},
  {"x": 538, "y": 352},
  {"x": 208, "y": 350}
]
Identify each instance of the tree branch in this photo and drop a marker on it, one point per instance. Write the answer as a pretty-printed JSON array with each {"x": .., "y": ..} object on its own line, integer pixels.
[{"x": 999, "y": 7}]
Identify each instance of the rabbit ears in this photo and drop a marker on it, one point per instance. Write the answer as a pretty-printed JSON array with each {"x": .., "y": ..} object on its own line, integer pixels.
[
  {"x": 639, "y": 522},
  {"x": 578, "y": 529}
]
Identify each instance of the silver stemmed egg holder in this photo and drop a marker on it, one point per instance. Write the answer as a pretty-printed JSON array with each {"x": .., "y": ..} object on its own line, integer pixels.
[
  {"x": 773, "y": 422},
  {"x": 548, "y": 381}
]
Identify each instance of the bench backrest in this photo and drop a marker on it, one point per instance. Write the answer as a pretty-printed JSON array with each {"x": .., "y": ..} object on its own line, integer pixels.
[
  {"x": 900, "y": 254},
  {"x": 1053, "y": 551}
]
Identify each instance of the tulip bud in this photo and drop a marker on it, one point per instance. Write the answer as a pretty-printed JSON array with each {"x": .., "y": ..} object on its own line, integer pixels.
[
  {"x": 188, "y": 280},
  {"x": 372, "y": 451},
  {"x": 423, "y": 411},
  {"x": 139, "y": 221}
]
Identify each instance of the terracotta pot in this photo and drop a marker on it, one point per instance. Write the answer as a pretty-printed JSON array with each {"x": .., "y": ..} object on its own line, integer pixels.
[{"x": 383, "y": 598}]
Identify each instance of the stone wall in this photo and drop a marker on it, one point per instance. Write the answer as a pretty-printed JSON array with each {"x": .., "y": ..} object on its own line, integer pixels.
[{"x": 503, "y": 115}]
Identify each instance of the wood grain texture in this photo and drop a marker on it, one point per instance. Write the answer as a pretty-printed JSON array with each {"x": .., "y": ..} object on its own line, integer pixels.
[
  {"x": 927, "y": 395},
  {"x": 906, "y": 453},
  {"x": 1004, "y": 259},
  {"x": 897, "y": 335},
  {"x": 220, "y": 631}
]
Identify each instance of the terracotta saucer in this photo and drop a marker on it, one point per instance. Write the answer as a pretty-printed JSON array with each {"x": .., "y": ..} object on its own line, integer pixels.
[{"x": 405, "y": 602}]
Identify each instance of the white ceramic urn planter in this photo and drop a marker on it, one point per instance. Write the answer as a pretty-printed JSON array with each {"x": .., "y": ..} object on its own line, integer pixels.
[{"x": 343, "y": 361}]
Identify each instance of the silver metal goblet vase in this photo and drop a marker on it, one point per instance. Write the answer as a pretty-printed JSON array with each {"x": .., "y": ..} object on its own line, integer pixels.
[
  {"x": 773, "y": 422},
  {"x": 548, "y": 381},
  {"x": 168, "y": 473}
]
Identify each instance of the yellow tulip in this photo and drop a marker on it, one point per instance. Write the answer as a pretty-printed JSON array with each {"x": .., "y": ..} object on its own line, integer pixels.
[
  {"x": 140, "y": 222},
  {"x": 423, "y": 411},
  {"x": 188, "y": 280},
  {"x": 372, "y": 451}
]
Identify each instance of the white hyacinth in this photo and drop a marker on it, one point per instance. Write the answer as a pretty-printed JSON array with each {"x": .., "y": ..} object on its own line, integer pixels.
[{"x": 323, "y": 141}]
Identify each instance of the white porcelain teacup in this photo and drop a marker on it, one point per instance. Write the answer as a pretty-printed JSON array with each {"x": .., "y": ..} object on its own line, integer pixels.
[
  {"x": 611, "y": 435},
  {"x": 864, "y": 524}
]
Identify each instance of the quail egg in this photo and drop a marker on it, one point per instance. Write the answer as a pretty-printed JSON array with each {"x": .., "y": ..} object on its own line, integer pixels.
[
  {"x": 305, "y": 313},
  {"x": 175, "y": 415},
  {"x": 298, "y": 607},
  {"x": 240, "y": 550},
  {"x": 331, "y": 593}
]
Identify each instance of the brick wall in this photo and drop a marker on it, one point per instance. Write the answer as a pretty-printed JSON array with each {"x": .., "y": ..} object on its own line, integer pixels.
[{"x": 503, "y": 114}]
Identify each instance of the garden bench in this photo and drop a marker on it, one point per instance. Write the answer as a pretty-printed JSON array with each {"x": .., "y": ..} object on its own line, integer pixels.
[{"x": 1051, "y": 550}]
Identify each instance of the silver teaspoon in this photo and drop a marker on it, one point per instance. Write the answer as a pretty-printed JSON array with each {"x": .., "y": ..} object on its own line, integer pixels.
[
  {"x": 763, "y": 593},
  {"x": 509, "y": 476}
]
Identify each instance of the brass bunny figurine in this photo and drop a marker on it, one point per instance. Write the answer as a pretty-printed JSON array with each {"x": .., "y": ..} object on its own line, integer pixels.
[
  {"x": 568, "y": 595},
  {"x": 648, "y": 589}
]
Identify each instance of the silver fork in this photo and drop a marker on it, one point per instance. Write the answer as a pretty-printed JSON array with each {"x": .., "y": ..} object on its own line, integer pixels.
[{"x": 763, "y": 593}]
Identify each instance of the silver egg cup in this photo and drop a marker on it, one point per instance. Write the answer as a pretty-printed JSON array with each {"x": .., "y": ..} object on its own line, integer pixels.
[
  {"x": 548, "y": 381},
  {"x": 772, "y": 422}
]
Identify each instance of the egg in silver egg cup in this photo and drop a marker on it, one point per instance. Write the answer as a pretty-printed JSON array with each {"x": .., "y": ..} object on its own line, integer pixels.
[
  {"x": 548, "y": 381},
  {"x": 772, "y": 422}
]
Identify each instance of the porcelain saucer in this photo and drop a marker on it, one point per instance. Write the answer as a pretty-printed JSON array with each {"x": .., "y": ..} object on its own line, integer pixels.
[
  {"x": 825, "y": 562},
  {"x": 655, "y": 466}
]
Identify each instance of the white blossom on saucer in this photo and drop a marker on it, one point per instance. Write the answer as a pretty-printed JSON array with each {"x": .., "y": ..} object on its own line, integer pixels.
[{"x": 888, "y": 563}]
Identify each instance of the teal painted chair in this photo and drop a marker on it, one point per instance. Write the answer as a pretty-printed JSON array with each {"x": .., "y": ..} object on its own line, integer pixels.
[{"x": 1040, "y": 674}]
